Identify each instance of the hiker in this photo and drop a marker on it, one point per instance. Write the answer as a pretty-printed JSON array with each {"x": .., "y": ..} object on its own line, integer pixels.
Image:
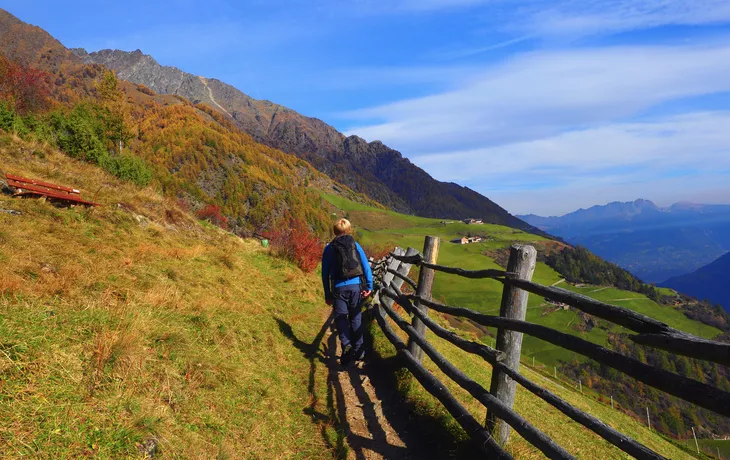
[{"x": 346, "y": 278}]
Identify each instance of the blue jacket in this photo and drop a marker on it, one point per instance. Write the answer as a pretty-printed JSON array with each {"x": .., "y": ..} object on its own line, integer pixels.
[{"x": 329, "y": 259}]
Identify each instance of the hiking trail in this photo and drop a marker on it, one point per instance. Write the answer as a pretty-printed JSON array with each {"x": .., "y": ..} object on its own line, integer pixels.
[{"x": 369, "y": 415}]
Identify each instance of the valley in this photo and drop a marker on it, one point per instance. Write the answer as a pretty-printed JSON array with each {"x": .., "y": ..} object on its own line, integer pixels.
[{"x": 378, "y": 229}]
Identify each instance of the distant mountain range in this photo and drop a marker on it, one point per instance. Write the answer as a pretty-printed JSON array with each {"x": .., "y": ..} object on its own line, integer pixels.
[
  {"x": 652, "y": 242},
  {"x": 709, "y": 282},
  {"x": 371, "y": 168}
]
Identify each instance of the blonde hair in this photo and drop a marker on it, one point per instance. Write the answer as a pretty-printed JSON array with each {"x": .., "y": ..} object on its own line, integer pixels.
[{"x": 342, "y": 227}]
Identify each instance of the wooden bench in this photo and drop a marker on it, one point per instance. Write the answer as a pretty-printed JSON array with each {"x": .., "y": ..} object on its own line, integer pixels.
[{"x": 36, "y": 188}]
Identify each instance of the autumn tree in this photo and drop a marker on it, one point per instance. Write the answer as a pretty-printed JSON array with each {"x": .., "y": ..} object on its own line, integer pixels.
[
  {"x": 26, "y": 89},
  {"x": 114, "y": 110}
]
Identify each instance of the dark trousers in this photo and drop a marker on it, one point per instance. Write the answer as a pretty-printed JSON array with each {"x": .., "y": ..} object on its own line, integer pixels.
[{"x": 348, "y": 316}]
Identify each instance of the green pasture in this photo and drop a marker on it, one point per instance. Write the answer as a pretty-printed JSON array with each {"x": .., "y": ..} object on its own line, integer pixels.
[{"x": 378, "y": 228}]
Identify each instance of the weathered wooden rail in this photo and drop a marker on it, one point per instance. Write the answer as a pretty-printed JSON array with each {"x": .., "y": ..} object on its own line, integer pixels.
[{"x": 392, "y": 272}]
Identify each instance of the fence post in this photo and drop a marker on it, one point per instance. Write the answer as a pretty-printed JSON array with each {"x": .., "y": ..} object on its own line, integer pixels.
[
  {"x": 648, "y": 420},
  {"x": 393, "y": 265},
  {"x": 425, "y": 284},
  {"x": 402, "y": 268},
  {"x": 522, "y": 260}
]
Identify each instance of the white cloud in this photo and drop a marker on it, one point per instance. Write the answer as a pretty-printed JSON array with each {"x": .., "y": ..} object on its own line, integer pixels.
[
  {"x": 538, "y": 94},
  {"x": 670, "y": 159},
  {"x": 581, "y": 17},
  {"x": 697, "y": 141},
  {"x": 570, "y": 121},
  {"x": 562, "y": 17}
]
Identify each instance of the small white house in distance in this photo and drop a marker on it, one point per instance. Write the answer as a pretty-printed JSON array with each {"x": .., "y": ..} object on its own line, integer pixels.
[
  {"x": 467, "y": 239},
  {"x": 473, "y": 221}
]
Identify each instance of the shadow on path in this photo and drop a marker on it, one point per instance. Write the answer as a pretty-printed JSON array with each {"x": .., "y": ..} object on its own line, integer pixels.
[
  {"x": 365, "y": 408},
  {"x": 417, "y": 424}
]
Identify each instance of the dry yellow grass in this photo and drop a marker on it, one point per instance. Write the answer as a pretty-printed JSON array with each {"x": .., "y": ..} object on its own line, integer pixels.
[{"x": 133, "y": 323}]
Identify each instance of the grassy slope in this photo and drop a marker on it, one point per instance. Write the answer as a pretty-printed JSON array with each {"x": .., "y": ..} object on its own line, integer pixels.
[
  {"x": 578, "y": 440},
  {"x": 121, "y": 326},
  {"x": 379, "y": 228},
  {"x": 713, "y": 446},
  {"x": 484, "y": 295}
]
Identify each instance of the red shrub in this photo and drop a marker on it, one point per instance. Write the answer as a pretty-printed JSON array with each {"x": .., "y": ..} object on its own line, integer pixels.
[
  {"x": 297, "y": 244},
  {"x": 27, "y": 89},
  {"x": 212, "y": 214}
]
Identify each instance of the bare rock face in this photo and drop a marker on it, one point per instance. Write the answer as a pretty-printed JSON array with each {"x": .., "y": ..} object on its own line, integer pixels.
[{"x": 371, "y": 168}]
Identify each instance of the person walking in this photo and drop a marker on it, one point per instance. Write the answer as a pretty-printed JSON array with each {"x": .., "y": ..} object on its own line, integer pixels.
[{"x": 346, "y": 279}]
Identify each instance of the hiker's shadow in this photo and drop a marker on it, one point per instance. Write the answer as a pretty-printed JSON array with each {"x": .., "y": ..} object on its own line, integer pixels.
[
  {"x": 314, "y": 354},
  {"x": 318, "y": 352}
]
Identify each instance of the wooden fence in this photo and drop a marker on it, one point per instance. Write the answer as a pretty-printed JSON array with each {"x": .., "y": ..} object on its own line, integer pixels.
[{"x": 390, "y": 274}]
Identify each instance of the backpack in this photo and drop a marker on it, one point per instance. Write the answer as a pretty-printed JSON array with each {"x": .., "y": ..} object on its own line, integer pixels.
[{"x": 348, "y": 260}]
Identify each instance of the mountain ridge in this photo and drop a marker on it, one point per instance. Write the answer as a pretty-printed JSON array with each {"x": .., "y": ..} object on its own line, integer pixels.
[
  {"x": 371, "y": 168},
  {"x": 640, "y": 203},
  {"x": 191, "y": 152},
  {"x": 655, "y": 243},
  {"x": 708, "y": 282}
]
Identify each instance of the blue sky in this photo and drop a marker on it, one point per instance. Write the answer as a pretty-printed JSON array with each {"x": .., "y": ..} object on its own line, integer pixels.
[{"x": 544, "y": 106}]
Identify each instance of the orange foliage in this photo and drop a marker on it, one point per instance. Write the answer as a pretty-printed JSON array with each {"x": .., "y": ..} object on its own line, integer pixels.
[
  {"x": 296, "y": 243},
  {"x": 193, "y": 151},
  {"x": 213, "y": 161},
  {"x": 27, "y": 89}
]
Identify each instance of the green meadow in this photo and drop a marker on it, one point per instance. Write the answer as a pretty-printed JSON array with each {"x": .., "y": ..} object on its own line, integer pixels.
[{"x": 379, "y": 228}]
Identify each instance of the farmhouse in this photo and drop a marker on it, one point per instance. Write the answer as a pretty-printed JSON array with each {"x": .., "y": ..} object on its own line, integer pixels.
[
  {"x": 467, "y": 240},
  {"x": 562, "y": 305}
]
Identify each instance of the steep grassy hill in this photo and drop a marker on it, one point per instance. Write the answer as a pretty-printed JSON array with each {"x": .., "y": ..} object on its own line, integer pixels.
[
  {"x": 578, "y": 440},
  {"x": 133, "y": 324}
]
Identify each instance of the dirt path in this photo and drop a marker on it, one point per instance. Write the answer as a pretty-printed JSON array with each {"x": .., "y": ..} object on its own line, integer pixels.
[{"x": 369, "y": 414}]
